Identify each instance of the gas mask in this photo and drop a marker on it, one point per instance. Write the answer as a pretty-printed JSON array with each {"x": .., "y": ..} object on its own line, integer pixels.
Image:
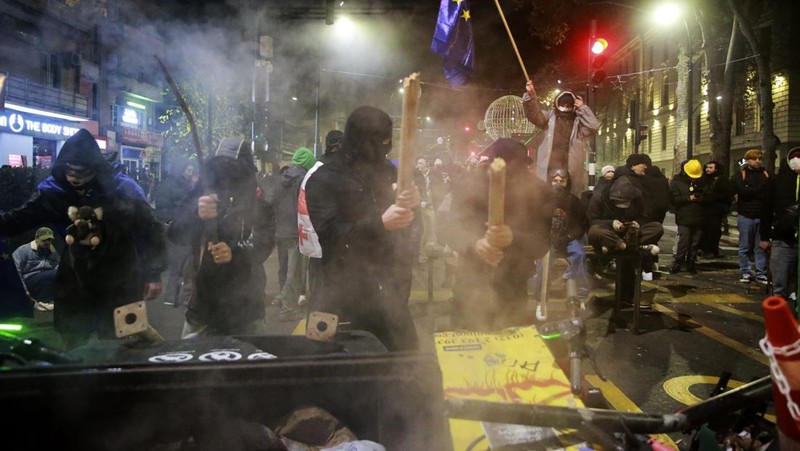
[
  {"x": 566, "y": 108},
  {"x": 794, "y": 164}
]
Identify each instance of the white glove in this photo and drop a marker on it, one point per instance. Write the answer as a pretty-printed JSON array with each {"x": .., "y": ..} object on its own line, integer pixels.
[{"x": 617, "y": 224}]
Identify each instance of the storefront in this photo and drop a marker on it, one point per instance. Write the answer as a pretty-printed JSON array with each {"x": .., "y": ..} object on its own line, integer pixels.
[{"x": 28, "y": 139}]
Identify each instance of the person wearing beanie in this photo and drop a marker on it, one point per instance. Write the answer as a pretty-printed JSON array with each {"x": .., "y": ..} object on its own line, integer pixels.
[
  {"x": 368, "y": 233},
  {"x": 779, "y": 227},
  {"x": 292, "y": 264},
  {"x": 567, "y": 124},
  {"x": 127, "y": 263},
  {"x": 495, "y": 262},
  {"x": 37, "y": 262},
  {"x": 689, "y": 197},
  {"x": 752, "y": 187},
  {"x": 607, "y": 172}
]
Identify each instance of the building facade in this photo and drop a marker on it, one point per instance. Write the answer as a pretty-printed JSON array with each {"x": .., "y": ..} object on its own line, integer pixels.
[{"x": 649, "y": 73}]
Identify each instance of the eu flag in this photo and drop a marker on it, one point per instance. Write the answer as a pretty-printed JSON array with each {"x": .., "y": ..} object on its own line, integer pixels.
[{"x": 453, "y": 40}]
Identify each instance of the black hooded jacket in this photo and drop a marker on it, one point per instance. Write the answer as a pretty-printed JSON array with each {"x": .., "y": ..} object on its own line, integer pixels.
[
  {"x": 226, "y": 297},
  {"x": 286, "y": 204},
  {"x": 92, "y": 282},
  {"x": 366, "y": 269}
]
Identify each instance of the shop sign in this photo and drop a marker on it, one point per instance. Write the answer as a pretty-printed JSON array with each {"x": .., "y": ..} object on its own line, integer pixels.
[
  {"x": 28, "y": 124},
  {"x": 137, "y": 136}
]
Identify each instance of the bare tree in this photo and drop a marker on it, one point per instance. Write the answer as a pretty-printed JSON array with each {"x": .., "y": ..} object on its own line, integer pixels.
[
  {"x": 761, "y": 51},
  {"x": 721, "y": 47}
]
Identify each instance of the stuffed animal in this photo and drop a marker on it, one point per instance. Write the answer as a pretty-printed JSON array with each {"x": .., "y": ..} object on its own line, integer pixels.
[{"x": 84, "y": 228}]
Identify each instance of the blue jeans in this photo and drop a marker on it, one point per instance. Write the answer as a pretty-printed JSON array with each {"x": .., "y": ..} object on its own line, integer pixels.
[
  {"x": 576, "y": 259},
  {"x": 783, "y": 261},
  {"x": 749, "y": 236}
]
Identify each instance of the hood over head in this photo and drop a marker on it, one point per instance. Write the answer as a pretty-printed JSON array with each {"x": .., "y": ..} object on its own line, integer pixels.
[
  {"x": 333, "y": 139},
  {"x": 367, "y": 135},
  {"x": 303, "y": 158},
  {"x": 509, "y": 150},
  {"x": 81, "y": 149}
]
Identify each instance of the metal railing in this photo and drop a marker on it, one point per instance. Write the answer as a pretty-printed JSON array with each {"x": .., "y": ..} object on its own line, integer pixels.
[{"x": 24, "y": 92}]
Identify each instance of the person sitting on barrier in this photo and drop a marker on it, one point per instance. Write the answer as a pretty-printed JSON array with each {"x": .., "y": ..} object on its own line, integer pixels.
[
  {"x": 37, "y": 263},
  {"x": 617, "y": 218},
  {"x": 569, "y": 224},
  {"x": 490, "y": 290}
]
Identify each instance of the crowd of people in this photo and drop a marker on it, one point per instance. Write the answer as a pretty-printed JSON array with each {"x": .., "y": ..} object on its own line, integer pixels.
[{"x": 348, "y": 242}]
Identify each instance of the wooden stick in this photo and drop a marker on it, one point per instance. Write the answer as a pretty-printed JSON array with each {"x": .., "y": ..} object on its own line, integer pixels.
[
  {"x": 510, "y": 36},
  {"x": 405, "y": 164},
  {"x": 497, "y": 192}
]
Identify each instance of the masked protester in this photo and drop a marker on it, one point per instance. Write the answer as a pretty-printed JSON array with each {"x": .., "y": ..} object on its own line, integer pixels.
[
  {"x": 569, "y": 224},
  {"x": 779, "y": 227},
  {"x": 366, "y": 232},
  {"x": 124, "y": 267},
  {"x": 490, "y": 290},
  {"x": 567, "y": 124},
  {"x": 229, "y": 234}
]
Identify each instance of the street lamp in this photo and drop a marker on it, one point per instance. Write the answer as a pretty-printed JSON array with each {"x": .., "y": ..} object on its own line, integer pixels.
[{"x": 667, "y": 14}]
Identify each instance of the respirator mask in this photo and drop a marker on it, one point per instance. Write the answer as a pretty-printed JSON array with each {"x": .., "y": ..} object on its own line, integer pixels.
[{"x": 794, "y": 164}]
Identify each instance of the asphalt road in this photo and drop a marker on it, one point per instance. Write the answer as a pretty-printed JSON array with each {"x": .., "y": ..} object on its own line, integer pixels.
[{"x": 698, "y": 327}]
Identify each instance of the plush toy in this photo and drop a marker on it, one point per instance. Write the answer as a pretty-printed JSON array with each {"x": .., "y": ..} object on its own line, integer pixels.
[{"x": 84, "y": 228}]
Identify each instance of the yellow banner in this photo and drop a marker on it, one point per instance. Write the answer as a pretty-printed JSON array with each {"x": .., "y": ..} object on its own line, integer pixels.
[{"x": 513, "y": 366}]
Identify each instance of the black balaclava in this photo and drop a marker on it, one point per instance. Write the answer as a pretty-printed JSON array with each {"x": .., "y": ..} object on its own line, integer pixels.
[
  {"x": 565, "y": 101},
  {"x": 367, "y": 135}
]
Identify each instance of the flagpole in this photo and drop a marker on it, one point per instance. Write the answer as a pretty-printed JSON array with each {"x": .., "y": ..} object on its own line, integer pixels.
[{"x": 511, "y": 37}]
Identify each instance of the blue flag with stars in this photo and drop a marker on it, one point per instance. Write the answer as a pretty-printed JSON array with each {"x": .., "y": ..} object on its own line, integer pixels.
[{"x": 453, "y": 40}]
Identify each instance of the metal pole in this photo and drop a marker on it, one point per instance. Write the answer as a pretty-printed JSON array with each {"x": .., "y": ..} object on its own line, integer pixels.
[
  {"x": 316, "y": 113},
  {"x": 593, "y": 142},
  {"x": 689, "y": 94}
]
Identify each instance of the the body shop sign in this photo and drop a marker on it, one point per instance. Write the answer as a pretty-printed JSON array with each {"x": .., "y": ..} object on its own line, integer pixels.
[{"x": 29, "y": 124}]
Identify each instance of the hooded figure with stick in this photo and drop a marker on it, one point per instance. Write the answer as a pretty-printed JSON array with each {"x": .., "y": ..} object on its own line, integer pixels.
[
  {"x": 366, "y": 231},
  {"x": 566, "y": 125},
  {"x": 490, "y": 291}
]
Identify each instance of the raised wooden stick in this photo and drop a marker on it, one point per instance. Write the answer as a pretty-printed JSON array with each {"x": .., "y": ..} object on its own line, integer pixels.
[
  {"x": 510, "y": 36},
  {"x": 497, "y": 192},
  {"x": 405, "y": 159}
]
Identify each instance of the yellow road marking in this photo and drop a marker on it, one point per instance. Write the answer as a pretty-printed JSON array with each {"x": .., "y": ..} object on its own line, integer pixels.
[
  {"x": 620, "y": 402},
  {"x": 711, "y": 333},
  {"x": 678, "y": 389}
]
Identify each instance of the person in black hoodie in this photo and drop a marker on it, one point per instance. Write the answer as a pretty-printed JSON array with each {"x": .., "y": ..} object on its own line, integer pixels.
[
  {"x": 365, "y": 231},
  {"x": 779, "y": 226},
  {"x": 490, "y": 291},
  {"x": 720, "y": 194},
  {"x": 229, "y": 236},
  {"x": 752, "y": 186},
  {"x": 293, "y": 264},
  {"x": 124, "y": 267}
]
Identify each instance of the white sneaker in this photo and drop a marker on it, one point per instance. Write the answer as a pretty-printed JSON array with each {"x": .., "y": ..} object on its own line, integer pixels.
[{"x": 302, "y": 301}]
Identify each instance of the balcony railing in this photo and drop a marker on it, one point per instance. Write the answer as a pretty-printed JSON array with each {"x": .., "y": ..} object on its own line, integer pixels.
[{"x": 24, "y": 92}]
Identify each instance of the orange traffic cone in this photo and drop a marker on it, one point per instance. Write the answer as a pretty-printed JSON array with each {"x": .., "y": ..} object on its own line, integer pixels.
[{"x": 782, "y": 345}]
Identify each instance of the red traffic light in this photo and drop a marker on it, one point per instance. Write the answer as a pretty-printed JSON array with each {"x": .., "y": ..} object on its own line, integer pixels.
[{"x": 599, "y": 45}]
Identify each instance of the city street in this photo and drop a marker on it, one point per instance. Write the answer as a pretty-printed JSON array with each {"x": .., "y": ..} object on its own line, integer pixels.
[{"x": 697, "y": 327}]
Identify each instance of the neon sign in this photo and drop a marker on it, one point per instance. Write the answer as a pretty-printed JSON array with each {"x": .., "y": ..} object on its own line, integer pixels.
[{"x": 18, "y": 123}]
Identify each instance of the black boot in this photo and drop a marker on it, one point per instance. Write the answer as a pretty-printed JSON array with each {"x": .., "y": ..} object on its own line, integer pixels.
[
  {"x": 692, "y": 268},
  {"x": 675, "y": 268}
]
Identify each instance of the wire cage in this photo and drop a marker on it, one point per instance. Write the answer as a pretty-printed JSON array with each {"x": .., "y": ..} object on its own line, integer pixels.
[{"x": 505, "y": 117}]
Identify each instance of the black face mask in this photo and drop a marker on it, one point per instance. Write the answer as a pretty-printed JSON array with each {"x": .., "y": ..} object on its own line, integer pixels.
[{"x": 368, "y": 135}]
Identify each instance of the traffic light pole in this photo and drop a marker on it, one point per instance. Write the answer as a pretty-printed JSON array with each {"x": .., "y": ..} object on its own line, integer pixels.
[
  {"x": 689, "y": 94},
  {"x": 592, "y": 155}
]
